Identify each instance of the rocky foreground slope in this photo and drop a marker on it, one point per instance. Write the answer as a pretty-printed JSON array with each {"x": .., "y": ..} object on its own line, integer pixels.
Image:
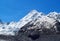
[{"x": 35, "y": 26}]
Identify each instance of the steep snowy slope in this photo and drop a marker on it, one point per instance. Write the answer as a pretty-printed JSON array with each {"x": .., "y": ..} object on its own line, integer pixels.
[
  {"x": 45, "y": 21},
  {"x": 54, "y": 15},
  {"x": 12, "y": 27},
  {"x": 33, "y": 20},
  {"x": 31, "y": 16}
]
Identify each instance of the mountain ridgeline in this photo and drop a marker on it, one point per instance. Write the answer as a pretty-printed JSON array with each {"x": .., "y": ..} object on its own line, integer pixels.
[
  {"x": 33, "y": 26},
  {"x": 33, "y": 20},
  {"x": 39, "y": 21}
]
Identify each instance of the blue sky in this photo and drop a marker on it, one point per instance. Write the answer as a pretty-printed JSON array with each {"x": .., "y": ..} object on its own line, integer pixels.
[{"x": 14, "y": 10}]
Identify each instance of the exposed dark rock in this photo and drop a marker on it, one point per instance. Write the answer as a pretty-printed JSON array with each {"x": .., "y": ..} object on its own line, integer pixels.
[
  {"x": 34, "y": 34},
  {"x": 48, "y": 31},
  {"x": 34, "y": 37},
  {"x": 31, "y": 35},
  {"x": 58, "y": 26}
]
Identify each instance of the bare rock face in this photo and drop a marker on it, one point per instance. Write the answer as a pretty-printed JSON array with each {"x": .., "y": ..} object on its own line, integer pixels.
[
  {"x": 58, "y": 27},
  {"x": 35, "y": 35}
]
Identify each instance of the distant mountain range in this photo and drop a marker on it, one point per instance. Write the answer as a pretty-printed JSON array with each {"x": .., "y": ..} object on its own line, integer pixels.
[{"x": 33, "y": 20}]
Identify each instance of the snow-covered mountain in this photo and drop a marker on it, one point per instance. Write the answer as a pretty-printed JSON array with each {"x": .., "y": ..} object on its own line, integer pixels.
[
  {"x": 31, "y": 16},
  {"x": 33, "y": 20},
  {"x": 54, "y": 15}
]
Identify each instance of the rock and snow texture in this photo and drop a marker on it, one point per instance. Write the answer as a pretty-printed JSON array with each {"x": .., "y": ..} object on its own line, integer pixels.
[{"x": 38, "y": 19}]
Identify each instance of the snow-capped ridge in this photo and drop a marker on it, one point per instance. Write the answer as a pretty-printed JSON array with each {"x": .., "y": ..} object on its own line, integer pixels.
[
  {"x": 54, "y": 15},
  {"x": 34, "y": 17},
  {"x": 31, "y": 16}
]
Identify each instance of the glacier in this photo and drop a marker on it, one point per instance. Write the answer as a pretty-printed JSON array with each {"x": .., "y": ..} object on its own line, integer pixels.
[{"x": 38, "y": 19}]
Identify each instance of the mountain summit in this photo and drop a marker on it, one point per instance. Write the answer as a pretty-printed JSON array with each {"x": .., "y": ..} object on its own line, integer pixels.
[
  {"x": 33, "y": 20},
  {"x": 31, "y": 16}
]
